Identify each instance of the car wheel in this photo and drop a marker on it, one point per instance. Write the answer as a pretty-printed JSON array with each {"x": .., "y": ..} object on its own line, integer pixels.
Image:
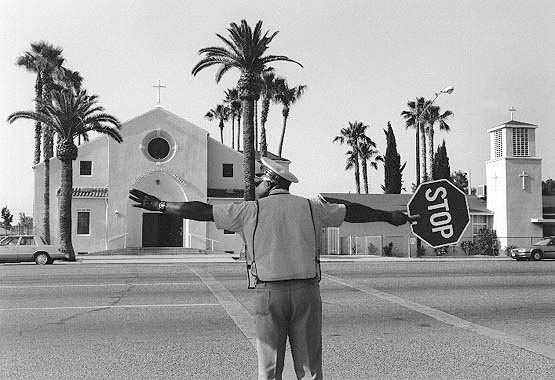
[
  {"x": 536, "y": 255},
  {"x": 41, "y": 258}
]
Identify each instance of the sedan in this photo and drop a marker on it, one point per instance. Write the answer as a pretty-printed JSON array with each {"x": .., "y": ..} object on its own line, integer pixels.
[
  {"x": 543, "y": 249},
  {"x": 20, "y": 248}
]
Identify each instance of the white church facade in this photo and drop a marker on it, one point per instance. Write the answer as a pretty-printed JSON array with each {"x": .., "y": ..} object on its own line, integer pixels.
[
  {"x": 165, "y": 155},
  {"x": 162, "y": 154}
]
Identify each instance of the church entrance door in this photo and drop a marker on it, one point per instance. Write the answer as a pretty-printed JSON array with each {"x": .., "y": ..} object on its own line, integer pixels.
[{"x": 162, "y": 230}]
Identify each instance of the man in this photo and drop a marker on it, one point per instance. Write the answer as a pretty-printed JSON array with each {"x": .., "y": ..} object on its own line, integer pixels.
[{"x": 280, "y": 231}]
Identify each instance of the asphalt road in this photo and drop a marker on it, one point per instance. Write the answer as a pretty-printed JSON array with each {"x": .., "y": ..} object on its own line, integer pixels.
[{"x": 382, "y": 320}]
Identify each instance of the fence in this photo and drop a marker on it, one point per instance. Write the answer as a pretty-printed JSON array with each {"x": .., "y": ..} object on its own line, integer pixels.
[
  {"x": 405, "y": 246},
  {"x": 16, "y": 230}
]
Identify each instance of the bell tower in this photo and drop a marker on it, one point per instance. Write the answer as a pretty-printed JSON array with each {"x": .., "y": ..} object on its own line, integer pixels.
[{"x": 514, "y": 181}]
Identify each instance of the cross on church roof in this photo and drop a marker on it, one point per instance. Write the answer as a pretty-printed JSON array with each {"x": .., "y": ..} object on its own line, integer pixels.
[
  {"x": 512, "y": 110},
  {"x": 158, "y": 87}
]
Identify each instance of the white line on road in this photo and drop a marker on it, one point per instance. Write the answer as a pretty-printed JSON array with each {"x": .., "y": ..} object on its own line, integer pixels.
[
  {"x": 537, "y": 348},
  {"x": 108, "y": 307},
  {"x": 96, "y": 285}
]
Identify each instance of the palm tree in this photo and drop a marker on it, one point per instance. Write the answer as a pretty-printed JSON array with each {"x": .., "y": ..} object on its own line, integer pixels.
[
  {"x": 434, "y": 115},
  {"x": 221, "y": 112},
  {"x": 70, "y": 114},
  {"x": 243, "y": 51},
  {"x": 46, "y": 61},
  {"x": 353, "y": 135},
  {"x": 368, "y": 154},
  {"x": 286, "y": 96},
  {"x": 414, "y": 118},
  {"x": 234, "y": 104},
  {"x": 269, "y": 90},
  {"x": 41, "y": 60}
]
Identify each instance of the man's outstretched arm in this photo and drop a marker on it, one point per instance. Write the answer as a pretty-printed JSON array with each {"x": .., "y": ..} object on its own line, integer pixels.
[
  {"x": 358, "y": 213},
  {"x": 189, "y": 210}
]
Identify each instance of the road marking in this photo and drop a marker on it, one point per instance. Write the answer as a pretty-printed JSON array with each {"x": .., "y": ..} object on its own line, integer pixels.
[
  {"x": 521, "y": 342},
  {"x": 239, "y": 314},
  {"x": 108, "y": 307},
  {"x": 95, "y": 285}
]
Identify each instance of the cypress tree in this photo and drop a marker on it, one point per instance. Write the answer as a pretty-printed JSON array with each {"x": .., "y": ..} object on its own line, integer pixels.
[
  {"x": 441, "y": 168},
  {"x": 393, "y": 177}
]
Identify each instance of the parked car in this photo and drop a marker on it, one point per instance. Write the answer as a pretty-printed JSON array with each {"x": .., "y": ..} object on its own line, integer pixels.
[
  {"x": 543, "y": 249},
  {"x": 20, "y": 248}
]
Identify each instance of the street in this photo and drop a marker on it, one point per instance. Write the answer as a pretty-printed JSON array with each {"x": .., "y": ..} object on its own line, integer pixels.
[{"x": 490, "y": 319}]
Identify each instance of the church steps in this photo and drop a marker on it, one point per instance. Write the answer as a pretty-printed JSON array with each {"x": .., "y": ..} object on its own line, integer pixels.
[{"x": 141, "y": 251}]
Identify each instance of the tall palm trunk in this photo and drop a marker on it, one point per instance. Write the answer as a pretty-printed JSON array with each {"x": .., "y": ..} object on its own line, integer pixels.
[
  {"x": 66, "y": 190},
  {"x": 66, "y": 151},
  {"x": 423, "y": 174},
  {"x": 365, "y": 175},
  {"x": 263, "y": 118},
  {"x": 430, "y": 151},
  {"x": 249, "y": 94},
  {"x": 48, "y": 153},
  {"x": 256, "y": 125},
  {"x": 248, "y": 148},
  {"x": 221, "y": 125},
  {"x": 239, "y": 131},
  {"x": 285, "y": 113},
  {"x": 38, "y": 126},
  {"x": 46, "y": 202},
  {"x": 417, "y": 154},
  {"x": 357, "y": 173},
  {"x": 232, "y": 131}
]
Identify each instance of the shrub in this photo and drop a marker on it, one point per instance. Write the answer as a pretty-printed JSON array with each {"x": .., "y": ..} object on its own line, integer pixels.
[
  {"x": 486, "y": 242},
  {"x": 388, "y": 249}
]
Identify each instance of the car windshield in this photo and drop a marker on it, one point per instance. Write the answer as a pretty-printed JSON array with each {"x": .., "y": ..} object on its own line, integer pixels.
[
  {"x": 42, "y": 241},
  {"x": 543, "y": 242}
]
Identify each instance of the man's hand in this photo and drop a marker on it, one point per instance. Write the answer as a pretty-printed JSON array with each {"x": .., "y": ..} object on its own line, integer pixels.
[
  {"x": 144, "y": 200},
  {"x": 398, "y": 218}
]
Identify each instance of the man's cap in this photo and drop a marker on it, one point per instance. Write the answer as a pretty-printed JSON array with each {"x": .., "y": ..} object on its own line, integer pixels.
[{"x": 272, "y": 168}]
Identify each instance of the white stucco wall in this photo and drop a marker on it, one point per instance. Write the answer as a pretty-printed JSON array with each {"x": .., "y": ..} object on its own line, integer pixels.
[
  {"x": 183, "y": 177},
  {"x": 219, "y": 154}
]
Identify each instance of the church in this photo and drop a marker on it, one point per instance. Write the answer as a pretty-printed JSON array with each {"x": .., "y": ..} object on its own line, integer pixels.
[
  {"x": 165, "y": 155},
  {"x": 162, "y": 154}
]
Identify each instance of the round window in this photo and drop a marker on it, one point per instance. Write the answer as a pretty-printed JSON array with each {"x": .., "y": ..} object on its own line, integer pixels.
[{"x": 158, "y": 148}]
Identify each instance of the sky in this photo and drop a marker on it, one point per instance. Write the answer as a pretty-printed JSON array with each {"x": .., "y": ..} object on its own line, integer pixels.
[{"x": 363, "y": 61}]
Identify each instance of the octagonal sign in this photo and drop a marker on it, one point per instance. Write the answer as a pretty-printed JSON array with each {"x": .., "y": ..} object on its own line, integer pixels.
[{"x": 443, "y": 211}]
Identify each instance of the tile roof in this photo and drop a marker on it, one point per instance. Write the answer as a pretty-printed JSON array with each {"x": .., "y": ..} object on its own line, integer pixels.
[
  {"x": 88, "y": 192},
  {"x": 515, "y": 122},
  {"x": 225, "y": 193}
]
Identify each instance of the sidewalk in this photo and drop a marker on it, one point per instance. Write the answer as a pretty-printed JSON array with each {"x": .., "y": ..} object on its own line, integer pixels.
[{"x": 229, "y": 258}]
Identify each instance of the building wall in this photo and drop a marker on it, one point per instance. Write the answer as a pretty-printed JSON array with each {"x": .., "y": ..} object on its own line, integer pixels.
[
  {"x": 523, "y": 204},
  {"x": 497, "y": 195},
  {"x": 96, "y": 240},
  {"x": 181, "y": 178},
  {"x": 218, "y": 155}
]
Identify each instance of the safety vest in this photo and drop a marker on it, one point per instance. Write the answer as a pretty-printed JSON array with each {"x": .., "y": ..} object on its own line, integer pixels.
[{"x": 284, "y": 242}]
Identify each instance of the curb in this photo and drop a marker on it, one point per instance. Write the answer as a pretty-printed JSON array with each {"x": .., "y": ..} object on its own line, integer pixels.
[{"x": 227, "y": 258}]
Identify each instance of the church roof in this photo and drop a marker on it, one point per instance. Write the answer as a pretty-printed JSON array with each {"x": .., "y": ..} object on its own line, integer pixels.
[
  {"x": 88, "y": 192},
  {"x": 513, "y": 123}
]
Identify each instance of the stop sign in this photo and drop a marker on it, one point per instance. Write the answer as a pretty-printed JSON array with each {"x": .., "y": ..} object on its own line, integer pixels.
[{"x": 443, "y": 213}]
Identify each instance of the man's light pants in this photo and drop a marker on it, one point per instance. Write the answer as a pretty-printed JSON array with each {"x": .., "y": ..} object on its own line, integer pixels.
[{"x": 289, "y": 308}]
